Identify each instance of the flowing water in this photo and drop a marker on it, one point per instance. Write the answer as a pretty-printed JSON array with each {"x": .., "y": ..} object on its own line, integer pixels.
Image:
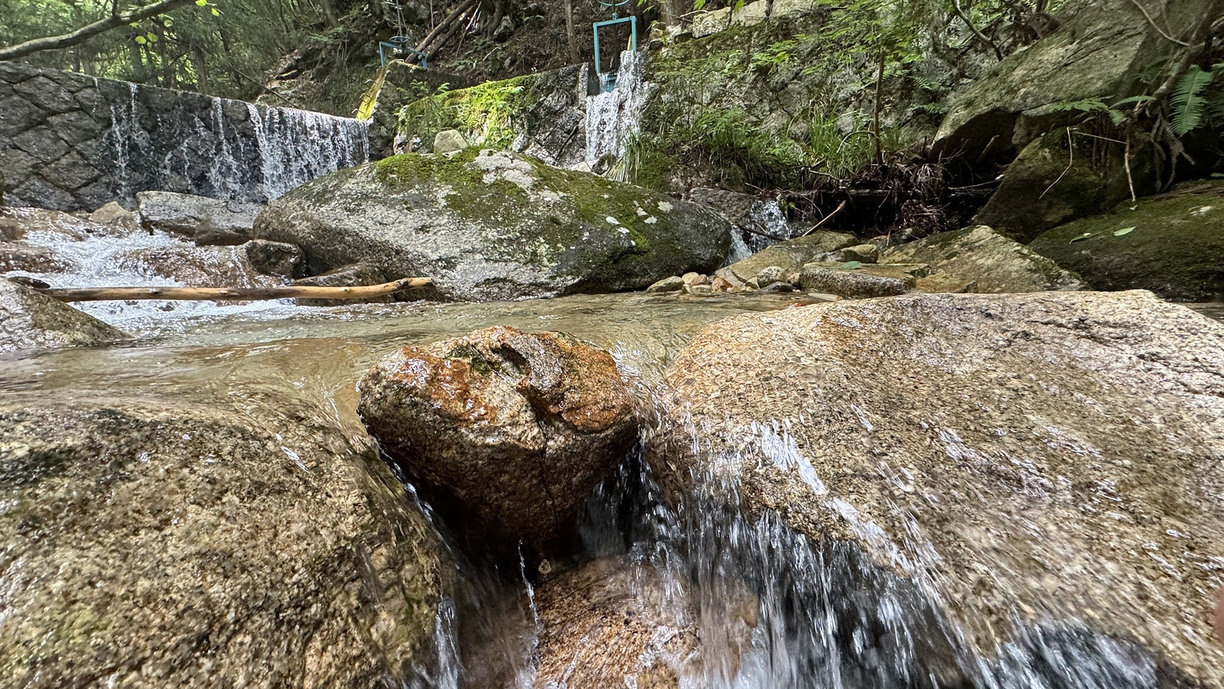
[{"x": 770, "y": 608}]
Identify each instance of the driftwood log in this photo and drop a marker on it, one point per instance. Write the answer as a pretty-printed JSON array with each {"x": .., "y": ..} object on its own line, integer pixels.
[{"x": 231, "y": 293}]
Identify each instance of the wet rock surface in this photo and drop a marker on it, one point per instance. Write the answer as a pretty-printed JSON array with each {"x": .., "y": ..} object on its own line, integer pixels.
[
  {"x": 978, "y": 259},
  {"x": 197, "y": 216},
  {"x": 491, "y": 226},
  {"x": 29, "y": 320},
  {"x": 1171, "y": 244},
  {"x": 1034, "y": 460},
  {"x": 515, "y": 427},
  {"x": 611, "y": 623},
  {"x": 178, "y": 545}
]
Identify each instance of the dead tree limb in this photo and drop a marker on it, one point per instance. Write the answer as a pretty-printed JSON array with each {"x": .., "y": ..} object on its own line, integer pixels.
[
  {"x": 113, "y": 20},
  {"x": 232, "y": 293}
]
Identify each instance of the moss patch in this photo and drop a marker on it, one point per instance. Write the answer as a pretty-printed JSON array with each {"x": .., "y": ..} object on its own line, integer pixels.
[{"x": 1176, "y": 248}]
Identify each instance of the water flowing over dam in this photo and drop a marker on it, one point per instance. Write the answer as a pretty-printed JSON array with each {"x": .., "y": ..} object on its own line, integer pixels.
[{"x": 74, "y": 142}]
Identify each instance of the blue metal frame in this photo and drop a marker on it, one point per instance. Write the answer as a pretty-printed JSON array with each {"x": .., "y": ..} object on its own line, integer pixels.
[
  {"x": 399, "y": 43},
  {"x": 632, "y": 35}
]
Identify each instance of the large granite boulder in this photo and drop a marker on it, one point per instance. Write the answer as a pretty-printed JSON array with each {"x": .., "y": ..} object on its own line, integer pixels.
[
  {"x": 491, "y": 226},
  {"x": 209, "y": 221},
  {"x": 1103, "y": 50},
  {"x": 30, "y": 320},
  {"x": 152, "y": 545},
  {"x": 1172, "y": 244},
  {"x": 978, "y": 259},
  {"x": 1045, "y": 466},
  {"x": 515, "y": 428}
]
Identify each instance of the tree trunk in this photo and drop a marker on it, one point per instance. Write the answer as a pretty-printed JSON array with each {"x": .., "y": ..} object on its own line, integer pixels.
[{"x": 570, "y": 36}]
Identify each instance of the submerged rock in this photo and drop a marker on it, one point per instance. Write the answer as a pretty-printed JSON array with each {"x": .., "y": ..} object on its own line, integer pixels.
[
  {"x": 490, "y": 226},
  {"x": 1171, "y": 244},
  {"x": 29, "y": 320},
  {"x": 613, "y": 623},
  {"x": 188, "y": 215},
  {"x": 978, "y": 259},
  {"x": 1035, "y": 462},
  {"x": 515, "y": 427},
  {"x": 196, "y": 266},
  {"x": 176, "y": 545}
]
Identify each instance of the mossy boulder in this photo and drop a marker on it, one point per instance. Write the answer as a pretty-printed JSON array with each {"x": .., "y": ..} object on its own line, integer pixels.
[
  {"x": 490, "y": 226},
  {"x": 1103, "y": 51},
  {"x": 1175, "y": 249},
  {"x": 1055, "y": 180},
  {"x": 30, "y": 320},
  {"x": 978, "y": 259},
  {"x": 155, "y": 543},
  {"x": 542, "y": 114}
]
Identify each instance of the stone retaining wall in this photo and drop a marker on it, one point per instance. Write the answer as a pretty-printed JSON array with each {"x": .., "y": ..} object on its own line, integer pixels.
[{"x": 69, "y": 141}]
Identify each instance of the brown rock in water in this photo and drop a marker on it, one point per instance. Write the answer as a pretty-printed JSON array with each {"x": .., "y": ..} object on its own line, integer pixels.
[
  {"x": 517, "y": 427},
  {"x": 1035, "y": 458},
  {"x": 116, "y": 216},
  {"x": 978, "y": 259}
]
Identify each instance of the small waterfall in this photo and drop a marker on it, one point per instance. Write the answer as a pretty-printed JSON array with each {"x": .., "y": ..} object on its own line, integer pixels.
[
  {"x": 296, "y": 146},
  {"x": 614, "y": 117},
  {"x": 195, "y": 144}
]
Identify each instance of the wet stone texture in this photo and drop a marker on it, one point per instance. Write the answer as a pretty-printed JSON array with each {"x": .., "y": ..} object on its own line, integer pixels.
[
  {"x": 29, "y": 320},
  {"x": 612, "y": 623},
  {"x": 515, "y": 427},
  {"x": 1027, "y": 458},
  {"x": 166, "y": 545}
]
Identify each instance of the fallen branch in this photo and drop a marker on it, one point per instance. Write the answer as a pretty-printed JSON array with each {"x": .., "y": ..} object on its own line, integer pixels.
[
  {"x": 840, "y": 207},
  {"x": 231, "y": 293}
]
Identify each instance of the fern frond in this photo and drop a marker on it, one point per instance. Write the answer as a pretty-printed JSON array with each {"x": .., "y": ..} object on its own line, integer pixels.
[{"x": 1188, "y": 102}]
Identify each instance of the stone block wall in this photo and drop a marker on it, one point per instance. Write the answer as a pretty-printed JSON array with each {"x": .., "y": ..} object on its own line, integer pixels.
[{"x": 69, "y": 141}]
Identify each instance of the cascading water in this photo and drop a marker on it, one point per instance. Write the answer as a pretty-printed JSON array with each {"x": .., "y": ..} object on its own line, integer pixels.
[
  {"x": 296, "y": 146},
  {"x": 223, "y": 148},
  {"x": 774, "y": 610},
  {"x": 613, "y": 117}
]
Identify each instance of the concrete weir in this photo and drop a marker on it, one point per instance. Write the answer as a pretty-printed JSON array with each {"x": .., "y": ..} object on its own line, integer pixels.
[{"x": 70, "y": 141}]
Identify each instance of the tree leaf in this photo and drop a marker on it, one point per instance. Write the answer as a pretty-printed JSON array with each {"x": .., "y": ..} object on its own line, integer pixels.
[
  {"x": 1124, "y": 230},
  {"x": 201, "y": 3},
  {"x": 851, "y": 265},
  {"x": 1082, "y": 237},
  {"x": 141, "y": 40},
  {"x": 216, "y": 12},
  {"x": 151, "y": 36}
]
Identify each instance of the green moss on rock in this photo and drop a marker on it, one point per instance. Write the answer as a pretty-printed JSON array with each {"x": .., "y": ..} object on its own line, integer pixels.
[
  {"x": 494, "y": 225},
  {"x": 1175, "y": 249}
]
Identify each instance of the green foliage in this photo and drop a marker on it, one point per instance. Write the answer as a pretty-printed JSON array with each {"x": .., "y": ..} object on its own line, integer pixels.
[
  {"x": 222, "y": 47},
  {"x": 1188, "y": 103}
]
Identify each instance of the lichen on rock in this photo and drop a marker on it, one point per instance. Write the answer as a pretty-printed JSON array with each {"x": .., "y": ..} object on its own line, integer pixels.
[{"x": 495, "y": 225}]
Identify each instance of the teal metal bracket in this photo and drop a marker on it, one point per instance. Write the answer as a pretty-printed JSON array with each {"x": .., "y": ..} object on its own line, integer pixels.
[
  {"x": 631, "y": 20},
  {"x": 399, "y": 44}
]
